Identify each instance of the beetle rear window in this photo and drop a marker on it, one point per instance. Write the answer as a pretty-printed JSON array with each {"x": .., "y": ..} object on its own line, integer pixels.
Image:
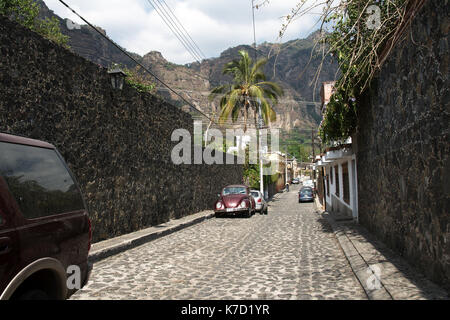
[
  {"x": 38, "y": 180},
  {"x": 234, "y": 190}
]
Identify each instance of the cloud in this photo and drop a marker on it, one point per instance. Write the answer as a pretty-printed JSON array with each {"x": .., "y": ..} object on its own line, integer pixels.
[{"x": 214, "y": 25}]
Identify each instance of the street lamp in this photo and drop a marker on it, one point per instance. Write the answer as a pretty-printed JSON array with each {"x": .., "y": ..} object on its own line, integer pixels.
[{"x": 117, "y": 78}]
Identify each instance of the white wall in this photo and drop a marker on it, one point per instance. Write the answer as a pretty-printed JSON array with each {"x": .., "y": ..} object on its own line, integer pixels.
[{"x": 353, "y": 189}]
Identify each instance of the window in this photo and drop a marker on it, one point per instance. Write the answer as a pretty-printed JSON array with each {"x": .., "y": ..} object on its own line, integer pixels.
[
  {"x": 336, "y": 172},
  {"x": 331, "y": 175},
  {"x": 1, "y": 220},
  {"x": 328, "y": 185},
  {"x": 234, "y": 190},
  {"x": 38, "y": 180},
  {"x": 345, "y": 183},
  {"x": 307, "y": 192}
]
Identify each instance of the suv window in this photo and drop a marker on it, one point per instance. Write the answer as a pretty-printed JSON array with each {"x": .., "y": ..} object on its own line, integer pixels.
[
  {"x": 39, "y": 180},
  {"x": 255, "y": 194}
]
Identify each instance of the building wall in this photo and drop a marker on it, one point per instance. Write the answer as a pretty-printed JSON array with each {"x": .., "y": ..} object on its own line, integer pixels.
[
  {"x": 117, "y": 143},
  {"x": 403, "y": 141},
  {"x": 336, "y": 202}
]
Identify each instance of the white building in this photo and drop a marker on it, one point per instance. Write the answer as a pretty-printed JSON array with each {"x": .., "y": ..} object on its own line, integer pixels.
[
  {"x": 340, "y": 178},
  {"x": 340, "y": 181}
]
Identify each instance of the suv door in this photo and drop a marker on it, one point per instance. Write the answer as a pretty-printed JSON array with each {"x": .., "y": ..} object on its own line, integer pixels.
[
  {"x": 9, "y": 251},
  {"x": 51, "y": 215}
]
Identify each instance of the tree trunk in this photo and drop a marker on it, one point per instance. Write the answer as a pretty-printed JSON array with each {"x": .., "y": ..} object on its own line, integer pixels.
[{"x": 245, "y": 115}]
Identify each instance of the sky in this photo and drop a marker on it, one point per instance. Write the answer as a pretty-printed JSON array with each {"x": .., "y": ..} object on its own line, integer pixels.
[{"x": 214, "y": 25}]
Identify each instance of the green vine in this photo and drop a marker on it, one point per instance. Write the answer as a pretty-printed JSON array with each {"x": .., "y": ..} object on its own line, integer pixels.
[
  {"x": 26, "y": 13},
  {"x": 137, "y": 81},
  {"x": 362, "y": 34}
]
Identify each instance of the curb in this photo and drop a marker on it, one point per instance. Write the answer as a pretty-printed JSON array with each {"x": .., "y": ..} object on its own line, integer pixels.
[
  {"x": 107, "y": 248},
  {"x": 359, "y": 266}
]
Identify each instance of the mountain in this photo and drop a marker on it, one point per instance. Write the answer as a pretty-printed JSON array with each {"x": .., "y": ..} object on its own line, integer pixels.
[{"x": 290, "y": 64}]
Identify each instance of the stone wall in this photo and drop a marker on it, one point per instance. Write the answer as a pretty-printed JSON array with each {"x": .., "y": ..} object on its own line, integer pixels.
[
  {"x": 118, "y": 143},
  {"x": 403, "y": 146}
]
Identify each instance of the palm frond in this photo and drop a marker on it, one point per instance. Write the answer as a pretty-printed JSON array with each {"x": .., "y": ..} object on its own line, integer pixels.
[
  {"x": 257, "y": 67},
  {"x": 248, "y": 89},
  {"x": 268, "y": 114},
  {"x": 272, "y": 86},
  {"x": 218, "y": 90},
  {"x": 229, "y": 104}
]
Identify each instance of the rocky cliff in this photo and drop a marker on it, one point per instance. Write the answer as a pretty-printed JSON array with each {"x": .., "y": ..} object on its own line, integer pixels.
[{"x": 291, "y": 64}]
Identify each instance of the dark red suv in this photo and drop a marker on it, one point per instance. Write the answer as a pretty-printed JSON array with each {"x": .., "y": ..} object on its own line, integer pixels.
[{"x": 45, "y": 232}]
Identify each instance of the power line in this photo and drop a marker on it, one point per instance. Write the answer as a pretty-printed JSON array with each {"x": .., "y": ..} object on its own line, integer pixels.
[
  {"x": 281, "y": 101},
  {"x": 254, "y": 29},
  {"x": 133, "y": 59},
  {"x": 187, "y": 33},
  {"x": 180, "y": 32},
  {"x": 170, "y": 25},
  {"x": 162, "y": 12}
]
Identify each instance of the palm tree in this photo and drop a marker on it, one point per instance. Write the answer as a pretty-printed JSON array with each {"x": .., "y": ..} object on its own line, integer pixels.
[{"x": 249, "y": 87}]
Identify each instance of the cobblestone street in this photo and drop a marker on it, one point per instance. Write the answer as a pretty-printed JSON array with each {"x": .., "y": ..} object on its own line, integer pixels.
[{"x": 290, "y": 253}]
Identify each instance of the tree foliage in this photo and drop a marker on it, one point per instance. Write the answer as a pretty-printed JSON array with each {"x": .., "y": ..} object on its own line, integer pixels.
[
  {"x": 138, "y": 81},
  {"x": 248, "y": 88},
  {"x": 356, "y": 33},
  {"x": 251, "y": 171},
  {"x": 26, "y": 13}
]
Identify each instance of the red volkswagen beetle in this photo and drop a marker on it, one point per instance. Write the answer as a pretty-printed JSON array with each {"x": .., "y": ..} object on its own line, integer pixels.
[{"x": 235, "y": 200}]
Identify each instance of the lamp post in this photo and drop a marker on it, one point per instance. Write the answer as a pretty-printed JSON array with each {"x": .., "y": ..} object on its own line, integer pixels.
[{"x": 117, "y": 78}]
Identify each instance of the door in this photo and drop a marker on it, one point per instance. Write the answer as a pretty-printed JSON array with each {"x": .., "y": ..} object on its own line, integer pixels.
[
  {"x": 9, "y": 251},
  {"x": 51, "y": 217}
]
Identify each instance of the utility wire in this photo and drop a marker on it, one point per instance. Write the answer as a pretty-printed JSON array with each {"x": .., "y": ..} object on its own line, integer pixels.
[
  {"x": 170, "y": 25},
  {"x": 207, "y": 93},
  {"x": 254, "y": 29},
  {"x": 169, "y": 22},
  {"x": 170, "y": 15},
  {"x": 187, "y": 33},
  {"x": 180, "y": 32},
  {"x": 133, "y": 59}
]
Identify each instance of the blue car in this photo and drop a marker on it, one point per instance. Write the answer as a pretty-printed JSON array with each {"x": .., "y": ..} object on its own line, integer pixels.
[{"x": 306, "y": 194}]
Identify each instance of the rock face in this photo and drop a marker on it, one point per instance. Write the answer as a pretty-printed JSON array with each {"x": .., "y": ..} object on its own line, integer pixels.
[
  {"x": 403, "y": 147},
  {"x": 289, "y": 64},
  {"x": 88, "y": 43},
  {"x": 117, "y": 142}
]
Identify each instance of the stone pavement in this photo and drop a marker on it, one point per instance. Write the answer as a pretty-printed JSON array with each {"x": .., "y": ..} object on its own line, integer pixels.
[
  {"x": 291, "y": 253},
  {"x": 103, "y": 249},
  {"x": 382, "y": 273},
  {"x": 295, "y": 252}
]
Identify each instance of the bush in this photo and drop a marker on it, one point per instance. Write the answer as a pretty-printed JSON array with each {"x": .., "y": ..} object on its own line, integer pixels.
[
  {"x": 26, "y": 13},
  {"x": 138, "y": 81}
]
